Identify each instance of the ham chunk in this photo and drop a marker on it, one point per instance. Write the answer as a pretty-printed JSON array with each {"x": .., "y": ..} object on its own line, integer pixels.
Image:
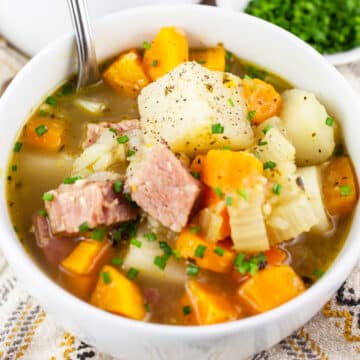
[
  {"x": 163, "y": 187},
  {"x": 93, "y": 202},
  {"x": 123, "y": 127},
  {"x": 54, "y": 248}
]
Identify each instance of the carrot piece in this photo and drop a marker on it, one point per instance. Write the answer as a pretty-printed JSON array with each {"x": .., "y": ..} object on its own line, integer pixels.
[
  {"x": 126, "y": 74},
  {"x": 209, "y": 197},
  {"x": 45, "y": 133},
  {"x": 169, "y": 49},
  {"x": 209, "y": 305},
  {"x": 186, "y": 311},
  {"x": 117, "y": 294},
  {"x": 84, "y": 258},
  {"x": 197, "y": 163},
  {"x": 269, "y": 288},
  {"x": 340, "y": 186},
  {"x": 79, "y": 285},
  {"x": 261, "y": 99},
  {"x": 230, "y": 170},
  {"x": 275, "y": 256},
  {"x": 211, "y": 58},
  {"x": 187, "y": 244}
]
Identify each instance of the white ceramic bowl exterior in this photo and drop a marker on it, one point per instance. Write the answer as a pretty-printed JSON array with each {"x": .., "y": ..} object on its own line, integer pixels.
[
  {"x": 249, "y": 38},
  {"x": 340, "y": 58}
]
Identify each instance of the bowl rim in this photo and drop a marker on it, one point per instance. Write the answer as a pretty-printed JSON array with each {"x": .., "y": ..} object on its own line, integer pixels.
[{"x": 21, "y": 262}]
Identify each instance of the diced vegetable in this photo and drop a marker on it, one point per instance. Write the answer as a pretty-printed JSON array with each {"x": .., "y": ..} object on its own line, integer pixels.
[
  {"x": 117, "y": 294},
  {"x": 212, "y": 58},
  {"x": 51, "y": 140},
  {"x": 169, "y": 49},
  {"x": 269, "y": 288},
  {"x": 265, "y": 126},
  {"x": 126, "y": 74},
  {"x": 291, "y": 218},
  {"x": 340, "y": 186},
  {"x": 91, "y": 106},
  {"x": 165, "y": 268},
  {"x": 311, "y": 179},
  {"x": 275, "y": 256},
  {"x": 187, "y": 243},
  {"x": 196, "y": 164},
  {"x": 231, "y": 170},
  {"x": 86, "y": 256},
  {"x": 209, "y": 305},
  {"x": 262, "y": 100},
  {"x": 80, "y": 285},
  {"x": 248, "y": 231},
  {"x": 304, "y": 119}
]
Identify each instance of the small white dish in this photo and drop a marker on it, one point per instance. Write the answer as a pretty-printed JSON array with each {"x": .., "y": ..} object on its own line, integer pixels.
[{"x": 340, "y": 58}]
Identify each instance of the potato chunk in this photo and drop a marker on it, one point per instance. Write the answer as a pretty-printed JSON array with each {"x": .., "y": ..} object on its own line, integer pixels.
[{"x": 194, "y": 110}]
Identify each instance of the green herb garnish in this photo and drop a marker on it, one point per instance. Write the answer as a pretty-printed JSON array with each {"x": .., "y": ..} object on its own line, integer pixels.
[
  {"x": 41, "y": 130},
  {"x": 123, "y": 139},
  {"x": 117, "y": 261},
  {"x": 118, "y": 186},
  {"x": 48, "y": 197},
  {"x": 106, "y": 278},
  {"x": 98, "y": 234},
  {"x": 186, "y": 310},
  {"x": 50, "y": 100},
  {"x": 132, "y": 273},
  {"x": 195, "y": 229},
  {"x": 218, "y": 192},
  {"x": 150, "y": 236},
  {"x": 231, "y": 102},
  {"x": 13, "y": 167},
  {"x": 84, "y": 227},
  {"x": 251, "y": 115},
  {"x": 195, "y": 174},
  {"x": 160, "y": 261},
  {"x": 219, "y": 251},
  {"x": 192, "y": 269},
  {"x": 130, "y": 153},
  {"x": 136, "y": 242},
  {"x": 217, "y": 129},
  {"x": 71, "y": 180},
  {"x": 228, "y": 200},
  {"x": 276, "y": 189},
  {"x": 318, "y": 273},
  {"x": 269, "y": 165},
  {"x": 242, "y": 193},
  {"x": 345, "y": 190},
  {"x": 329, "y": 121},
  {"x": 155, "y": 63},
  {"x": 200, "y": 251},
  {"x": 42, "y": 212},
  {"x": 17, "y": 146},
  {"x": 146, "y": 45},
  {"x": 267, "y": 128}
]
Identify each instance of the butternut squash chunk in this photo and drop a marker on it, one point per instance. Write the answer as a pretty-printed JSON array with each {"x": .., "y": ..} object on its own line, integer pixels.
[
  {"x": 126, "y": 74},
  {"x": 188, "y": 245},
  {"x": 269, "y": 288},
  {"x": 212, "y": 58},
  {"x": 230, "y": 170},
  {"x": 80, "y": 285},
  {"x": 45, "y": 133},
  {"x": 340, "y": 191},
  {"x": 262, "y": 100},
  {"x": 209, "y": 305},
  {"x": 117, "y": 294},
  {"x": 169, "y": 49},
  {"x": 84, "y": 258}
]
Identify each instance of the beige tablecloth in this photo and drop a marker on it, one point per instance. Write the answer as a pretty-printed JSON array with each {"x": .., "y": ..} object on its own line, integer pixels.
[{"x": 27, "y": 332}]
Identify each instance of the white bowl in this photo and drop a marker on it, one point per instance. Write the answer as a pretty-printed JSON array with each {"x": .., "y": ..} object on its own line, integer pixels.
[
  {"x": 251, "y": 39},
  {"x": 340, "y": 58}
]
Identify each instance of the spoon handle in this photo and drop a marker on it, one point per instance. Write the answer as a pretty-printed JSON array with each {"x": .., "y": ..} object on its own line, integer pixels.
[{"x": 87, "y": 62}]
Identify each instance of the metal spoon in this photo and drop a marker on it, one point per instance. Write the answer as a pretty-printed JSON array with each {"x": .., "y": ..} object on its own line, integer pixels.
[{"x": 87, "y": 62}]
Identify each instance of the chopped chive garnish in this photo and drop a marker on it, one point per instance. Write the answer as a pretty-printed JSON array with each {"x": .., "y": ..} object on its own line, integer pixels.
[
  {"x": 269, "y": 165},
  {"x": 226, "y": 147},
  {"x": 106, "y": 278},
  {"x": 43, "y": 113},
  {"x": 194, "y": 229},
  {"x": 16, "y": 229},
  {"x": 276, "y": 189},
  {"x": 262, "y": 143},
  {"x": 200, "y": 251},
  {"x": 227, "y": 67},
  {"x": 136, "y": 242},
  {"x": 251, "y": 115},
  {"x": 146, "y": 45},
  {"x": 231, "y": 102},
  {"x": 247, "y": 77},
  {"x": 318, "y": 273},
  {"x": 338, "y": 150},
  {"x": 160, "y": 261},
  {"x": 14, "y": 167},
  {"x": 150, "y": 236},
  {"x": 218, "y": 192},
  {"x": 155, "y": 63},
  {"x": 176, "y": 254},
  {"x": 345, "y": 190},
  {"x": 50, "y": 100},
  {"x": 83, "y": 227},
  {"x": 267, "y": 128},
  {"x": 239, "y": 259},
  {"x": 253, "y": 268},
  {"x": 98, "y": 234},
  {"x": 42, "y": 212},
  {"x": 71, "y": 180},
  {"x": 41, "y": 130},
  {"x": 228, "y": 55},
  {"x": 192, "y": 269},
  {"x": 164, "y": 246},
  {"x": 250, "y": 266},
  {"x": 186, "y": 310},
  {"x": 117, "y": 261},
  {"x": 217, "y": 128},
  {"x": 118, "y": 186},
  {"x": 228, "y": 200},
  {"x": 201, "y": 62},
  {"x": 130, "y": 153},
  {"x": 67, "y": 89},
  {"x": 113, "y": 130},
  {"x": 147, "y": 307},
  {"x": 219, "y": 251},
  {"x": 17, "y": 146},
  {"x": 329, "y": 121},
  {"x": 242, "y": 193},
  {"x": 132, "y": 273},
  {"x": 195, "y": 174},
  {"x": 48, "y": 197},
  {"x": 123, "y": 139}
]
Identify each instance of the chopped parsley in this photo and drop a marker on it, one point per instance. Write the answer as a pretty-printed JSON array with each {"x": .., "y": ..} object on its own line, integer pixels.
[
  {"x": 186, "y": 310},
  {"x": 200, "y": 251},
  {"x": 98, "y": 234},
  {"x": 345, "y": 190},
  {"x": 117, "y": 261},
  {"x": 329, "y": 121},
  {"x": 250, "y": 265},
  {"x": 106, "y": 278},
  {"x": 262, "y": 143},
  {"x": 14, "y": 167},
  {"x": 219, "y": 251},
  {"x": 50, "y": 100},
  {"x": 192, "y": 269},
  {"x": 147, "y": 307},
  {"x": 267, "y": 128},
  {"x": 276, "y": 189},
  {"x": 231, "y": 102},
  {"x": 164, "y": 246},
  {"x": 130, "y": 153},
  {"x": 269, "y": 165},
  {"x": 136, "y": 242},
  {"x": 195, "y": 229},
  {"x": 123, "y": 139},
  {"x": 71, "y": 180},
  {"x": 132, "y": 273},
  {"x": 17, "y": 147},
  {"x": 84, "y": 227},
  {"x": 146, "y": 45},
  {"x": 242, "y": 193},
  {"x": 218, "y": 192},
  {"x": 67, "y": 89},
  {"x": 42, "y": 212},
  {"x": 155, "y": 63},
  {"x": 160, "y": 261},
  {"x": 217, "y": 129},
  {"x": 251, "y": 115},
  {"x": 150, "y": 236},
  {"x": 41, "y": 130},
  {"x": 195, "y": 174},
  {"x": 118, "y": 186},
  {"x": 318, "y": 273},
  {"x": 48, "y": 197},
  {"x": 43, "y": 113}
]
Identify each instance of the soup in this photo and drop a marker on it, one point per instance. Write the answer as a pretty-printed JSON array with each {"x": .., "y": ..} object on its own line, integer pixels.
[{"x": 188, "y": 187}]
